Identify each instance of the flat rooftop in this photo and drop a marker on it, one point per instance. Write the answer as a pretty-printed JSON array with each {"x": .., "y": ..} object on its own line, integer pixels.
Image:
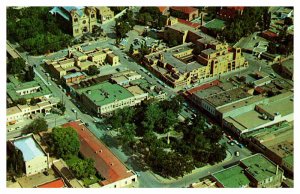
[
  {"x": 232, "y": 177},
  {"x": 180, "y": 27},
  {"x": 282, "y": 104},
  {"x": 289, "y": 159},
  {"x": 260, "y": 167},
  {"x": 181, "y": 66},
  {"x": 16, "y": 85},
  {"x": 227, "y": 97},
  {"x": 105, "y": 93},
  {"x": 29, "y": 148},
  {"x": 289, "y": 64},
  {"x": 208, "y": 92},
  {"x": 215, "y": 24}
]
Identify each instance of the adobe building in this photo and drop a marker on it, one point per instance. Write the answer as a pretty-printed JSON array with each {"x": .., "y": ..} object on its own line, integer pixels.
[
  {"x": 78, "y": 60},
  {"x": 115, "y": 173},
  {"x": 228, "y": 13},
  {"x": 104, "y": 13},
  {"x": 76, "y": 20},
  {"x": 183, "y": 65},
  {"x": 35, "y": 158},
  {"x": 186, "y": 13}
]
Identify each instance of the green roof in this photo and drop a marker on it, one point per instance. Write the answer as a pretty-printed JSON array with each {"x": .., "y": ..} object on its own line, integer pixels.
[
  {"x": 232, "y": 177},
  {"x": 260, "y": 167},
  {"x": 215, "y": 24},
  {"x": 105, "y": 93},
  {"x": 16, "y": 85},
  {"x": 289, "y": 159}
]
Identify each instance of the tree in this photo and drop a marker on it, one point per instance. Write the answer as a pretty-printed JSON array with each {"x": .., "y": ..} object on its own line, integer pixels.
[
  {"x": 121, "y": 117},
  {"x": 144, "y": 49},
  {"x": 61, "y": 106},
  {"x": 127, "y": 134},
  {"x": 65, "y": 142},
  {"x": 152, "y": 116},
  {"x": 15, "y": 161},
  {"x": 34, "y": 101},
  {"x": 21, "y": 101},
  {"x": 214, "y": 134},
  {"x": 15, "y": 66},
  {"x": 93, "y": 70},
  {"x": 288, "y": 21},
  {"x": 29, "y": 74},
  {"x": 38, "y": 125},
  {"x": 131, "y": 49},
  {"x": 82, "y": 168},
  {"x": 46, "y": 34}
]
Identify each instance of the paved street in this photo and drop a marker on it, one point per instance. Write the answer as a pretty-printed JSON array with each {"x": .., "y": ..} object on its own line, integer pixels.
[{"x": 146, "y": 179}]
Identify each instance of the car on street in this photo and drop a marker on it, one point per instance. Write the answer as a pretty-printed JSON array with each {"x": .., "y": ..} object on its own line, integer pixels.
[
  {"x": 237, "y": 154},
  {"x": 240, "y": 145}
]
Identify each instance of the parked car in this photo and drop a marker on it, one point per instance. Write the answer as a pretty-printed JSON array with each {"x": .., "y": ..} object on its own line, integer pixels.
[{"x": 237, "y": 154}]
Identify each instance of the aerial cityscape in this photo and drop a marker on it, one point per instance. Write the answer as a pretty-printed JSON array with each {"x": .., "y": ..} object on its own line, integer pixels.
[{"x": 150, "y": 97}]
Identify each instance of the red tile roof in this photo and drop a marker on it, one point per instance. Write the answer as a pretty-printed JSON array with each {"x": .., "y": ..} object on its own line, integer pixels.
[
  {"x": 58, "y": 183},
  {"x": 106, "y": 163},
  {"x": 162, "y": 9},
  {"x": 237, "y": 8},
  {"x": 203, "y": 87},
  {"x": 187, "y": 10},
  {"x": 188, "y": 23},
  {"x": 270, "y": 34}
]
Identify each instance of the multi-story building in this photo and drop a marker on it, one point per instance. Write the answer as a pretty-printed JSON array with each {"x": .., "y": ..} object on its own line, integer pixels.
[
  {"x": 35, "y": 158},
  {"x": 106, "y": 97},
  {"x": 254, "y": 171},
  {"x": 76, "y": 20},
  {"x": 104, "y": 13},
  {"x": 182, "y": 65},
  {"x": 186, "y": 13},
  {"x": 266, "y": 112},
  {"x": 79, "y": 60}
]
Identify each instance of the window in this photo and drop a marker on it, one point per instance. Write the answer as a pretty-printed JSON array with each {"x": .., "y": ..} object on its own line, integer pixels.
[
  {"x": 84, "y": 21},
  {"x": 75, "y": 19},
  {"x": 93, "y": 15},
  {"x": 76, "y": 30}
]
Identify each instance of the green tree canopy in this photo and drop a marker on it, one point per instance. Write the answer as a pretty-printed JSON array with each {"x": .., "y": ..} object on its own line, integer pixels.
[
  {"x": 82, "y": 168},
  {"x": 65, "y": 142},
  {"x": 38, "y": 125},
  {"x": 93, "y": 70},
  {"x": 15, "y": 66}
]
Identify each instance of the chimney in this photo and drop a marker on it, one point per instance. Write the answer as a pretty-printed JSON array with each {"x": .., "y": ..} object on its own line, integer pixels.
[{"x": 277, "y": 167}]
